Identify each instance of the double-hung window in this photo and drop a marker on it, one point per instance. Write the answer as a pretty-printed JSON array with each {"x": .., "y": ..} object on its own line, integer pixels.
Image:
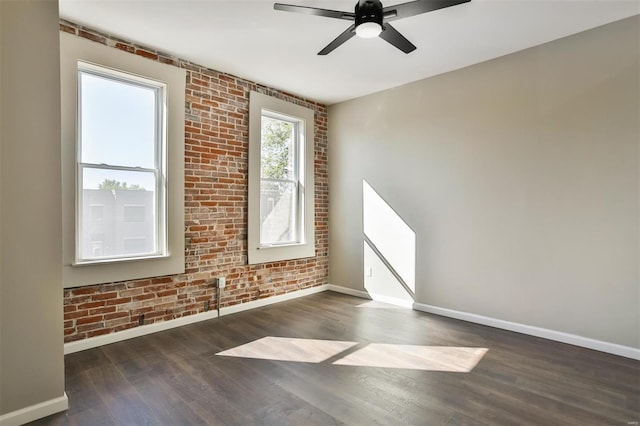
[
  {"x": 281, "y": 180},
  {"x": 123, "y": 128},
  {"x": 281, "y": 212},
  {"x": 121, "y": 145}
]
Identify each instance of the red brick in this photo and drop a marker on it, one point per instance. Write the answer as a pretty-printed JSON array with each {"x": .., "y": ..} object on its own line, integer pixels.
[
  {"x": 99, "y": 332},
  {"x": 90, "y": 305},
  {"x": 167, "y": 293},
  {"x": 216, "y": 155},
  {"x": 161, "y": 280},
  {"x": 88, "y": 327},
  {"x": 84, "y": 290},
  {"x": 132, "y": 292},
  {"x": 91, "y": 36},
  {"x": 119, "y": 301},
  {"x": 67, "y": 29},
  {"x": 146, "y": 54},
  {"x": 76, "y": 314},
  {"x": 104, "y": 296},
  {"x": 125, "y": 47},
  {"x": 103, "y": 310},
  {"x": 89, "y": 320},
  {"x": 116, "y": 315},
  {"x": 145, "y": 296}
]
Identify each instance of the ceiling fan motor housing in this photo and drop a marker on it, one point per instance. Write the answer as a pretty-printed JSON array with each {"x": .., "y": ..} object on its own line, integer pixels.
[{"x": 368, "y": 11}]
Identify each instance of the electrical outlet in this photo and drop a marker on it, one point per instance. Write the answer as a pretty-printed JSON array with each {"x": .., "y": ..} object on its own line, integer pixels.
[{"x": 222, "y": 282}]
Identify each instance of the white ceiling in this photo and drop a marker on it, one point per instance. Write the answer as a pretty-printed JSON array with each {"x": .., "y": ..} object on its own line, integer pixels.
[{"x": 249, "y": 39}]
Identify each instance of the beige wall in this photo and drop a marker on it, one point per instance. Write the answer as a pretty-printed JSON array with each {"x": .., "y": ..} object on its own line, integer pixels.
[
  {"x": 520, "y": 179},
  {"x": 31, "y": 351}
]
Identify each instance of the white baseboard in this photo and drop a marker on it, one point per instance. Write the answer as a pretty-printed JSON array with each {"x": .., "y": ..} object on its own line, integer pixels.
[
  {"x": 392, "y": 300},
  {"x": 371, "y": 296},
  {"x": 94, "y": 342},
  {"x": 351, "y": 292},
  {"x": 105, "y": 339},
  {"x": 271, "y": 300},
  {"x": 35, "y": 412},
  {"x": 558, "y": 336},
  {"x": 572, "y": 339}
]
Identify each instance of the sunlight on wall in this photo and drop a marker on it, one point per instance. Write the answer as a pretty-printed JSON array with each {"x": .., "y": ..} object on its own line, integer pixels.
[
  {"x": 390, "y": 238},
  {"x": 382, "y": 282},
  {"x": 344, "y": 353}
]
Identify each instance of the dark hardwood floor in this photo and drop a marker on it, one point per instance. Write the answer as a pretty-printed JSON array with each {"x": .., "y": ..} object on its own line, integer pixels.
[{"x": 176, "y": 377}]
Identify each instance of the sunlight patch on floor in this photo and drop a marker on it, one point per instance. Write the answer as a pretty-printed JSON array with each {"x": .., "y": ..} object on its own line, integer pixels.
[
  {"x": 414, "y": 357},
  {"x": 375, "y": 304},
  {"x": 289, "y": 349},
  {"x": 345, "y": 353}
]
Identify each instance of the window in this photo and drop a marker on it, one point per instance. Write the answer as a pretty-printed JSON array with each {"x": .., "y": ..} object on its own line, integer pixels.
[
  {"x": 122, "y": 164},
  {"x": 280, "y": 184},
  {"x": 281, "y": 180},
  {"x": 121, "y": 141}
]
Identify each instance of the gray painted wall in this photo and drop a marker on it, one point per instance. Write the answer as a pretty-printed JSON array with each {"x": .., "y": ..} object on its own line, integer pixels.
[
  {"x": 520, "y": 179},
  {"x": 31, "y": 350}
]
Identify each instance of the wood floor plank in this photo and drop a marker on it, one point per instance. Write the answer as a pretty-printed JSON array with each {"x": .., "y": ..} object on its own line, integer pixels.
[{"x": 176, "y": 377}]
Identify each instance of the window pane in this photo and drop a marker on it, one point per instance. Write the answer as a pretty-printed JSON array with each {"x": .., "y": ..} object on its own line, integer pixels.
[
  {"x": 118, "y": 122},
  {"x": 278, "y": 206},
  {"x": 277, "y": 149},
  {"x": 127, "y": 217}
]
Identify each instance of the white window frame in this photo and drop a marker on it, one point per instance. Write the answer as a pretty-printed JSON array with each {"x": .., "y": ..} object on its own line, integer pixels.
[
  {"x": 304, "y": 117},
  {"x": 159, "y": 170},
  {"x": 75, "y": 49},
  {"x": 297, "y": 179}
]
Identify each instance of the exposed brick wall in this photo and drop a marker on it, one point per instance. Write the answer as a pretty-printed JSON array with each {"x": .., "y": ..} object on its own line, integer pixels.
[{"x": 216, "y": 167}]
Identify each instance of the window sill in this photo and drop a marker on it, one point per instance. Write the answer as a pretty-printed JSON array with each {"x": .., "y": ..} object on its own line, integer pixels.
[
  {"x": 118, "y": 260},
  {"x": 277, "y": 253},
  {"x": 270, "y": 246}
]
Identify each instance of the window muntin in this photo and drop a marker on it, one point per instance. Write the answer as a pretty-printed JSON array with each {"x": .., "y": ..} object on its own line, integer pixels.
[
  {"x": 120, "y": 162},
  {"x": 281, "y": 186}
]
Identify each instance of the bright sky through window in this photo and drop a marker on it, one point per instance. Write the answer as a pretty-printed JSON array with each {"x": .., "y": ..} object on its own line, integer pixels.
[{"x": 117, "y": 118}]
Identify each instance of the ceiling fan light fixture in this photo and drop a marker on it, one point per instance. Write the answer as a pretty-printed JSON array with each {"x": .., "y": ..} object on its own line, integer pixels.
[
  {"x": 370, "y": 19},
  {"x": 368, "y": 30}
]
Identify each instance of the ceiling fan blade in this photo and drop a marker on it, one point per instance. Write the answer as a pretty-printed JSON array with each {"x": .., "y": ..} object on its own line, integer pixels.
[
  {"x": 392, "y": 35},
  {"x": 315, "y": 11},
  {"x": 404, "y": 10},
  {"x": 346, "y": 35}
]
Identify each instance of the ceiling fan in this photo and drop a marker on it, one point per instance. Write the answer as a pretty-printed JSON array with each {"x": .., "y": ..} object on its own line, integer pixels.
[{"x": 372, "y": 20}]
